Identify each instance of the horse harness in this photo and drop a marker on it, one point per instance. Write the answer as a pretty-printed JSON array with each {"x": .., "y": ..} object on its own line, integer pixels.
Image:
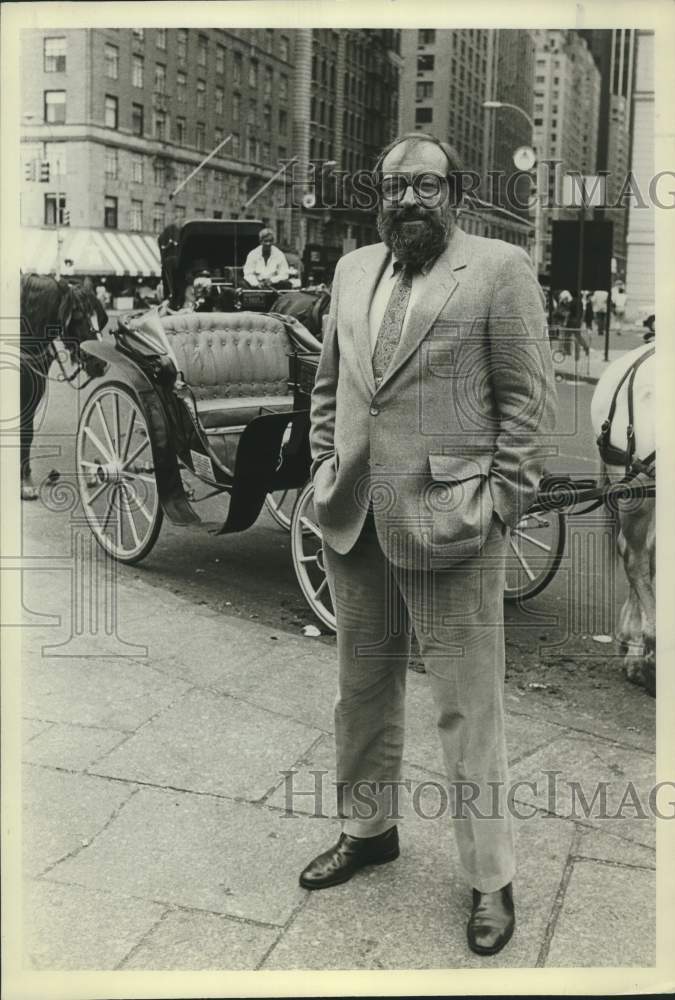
[{"x": 609, "y": 453}]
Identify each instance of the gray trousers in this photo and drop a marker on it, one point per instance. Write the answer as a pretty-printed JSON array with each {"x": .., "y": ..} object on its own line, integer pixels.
[{"x": 457, "y": 615}]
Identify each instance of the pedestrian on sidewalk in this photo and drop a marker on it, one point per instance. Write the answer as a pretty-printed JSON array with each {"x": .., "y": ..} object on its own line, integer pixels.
[
  {"x": 599, "y": 300},
  {"x": 426, "y": 438}
]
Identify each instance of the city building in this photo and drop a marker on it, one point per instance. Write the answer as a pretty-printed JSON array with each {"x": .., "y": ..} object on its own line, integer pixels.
[
  {"x": 614, "y": 55},
  {"x": 447, "y": 75},
  {"x": 640, "y": 263},
  {"x": 346, "y": 110},
  {"x": 566, "y": 114},
  {"x": 122, "y": 117}
]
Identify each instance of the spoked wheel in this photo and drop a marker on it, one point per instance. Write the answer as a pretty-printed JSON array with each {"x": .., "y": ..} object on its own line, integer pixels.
[
  {"x": 535, "y": 551},
  {"x": 280, "y": 505},
  {"x": 308, "y": 558},
  {"x": 116, "y": 474}
]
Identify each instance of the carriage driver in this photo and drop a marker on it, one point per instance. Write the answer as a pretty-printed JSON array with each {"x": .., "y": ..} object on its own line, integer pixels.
[{"x": 266, "y": 266}]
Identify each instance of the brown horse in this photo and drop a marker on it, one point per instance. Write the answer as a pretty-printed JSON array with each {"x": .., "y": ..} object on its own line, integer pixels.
[{"x": 51, "y": 308}]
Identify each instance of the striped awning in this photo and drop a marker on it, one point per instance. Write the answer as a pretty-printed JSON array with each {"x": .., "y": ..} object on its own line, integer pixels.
[{"x": 93, "y": 251}]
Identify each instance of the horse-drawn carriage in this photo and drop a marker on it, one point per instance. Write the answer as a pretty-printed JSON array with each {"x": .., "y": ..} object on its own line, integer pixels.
[{"x": 224, "y": 395}]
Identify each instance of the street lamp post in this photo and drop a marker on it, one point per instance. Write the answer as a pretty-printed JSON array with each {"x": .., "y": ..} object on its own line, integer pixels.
[{"x": 496, "y": 106}]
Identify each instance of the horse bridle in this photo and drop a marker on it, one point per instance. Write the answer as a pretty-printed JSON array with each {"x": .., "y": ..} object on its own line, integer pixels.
[{"x": 609, "y": 453}]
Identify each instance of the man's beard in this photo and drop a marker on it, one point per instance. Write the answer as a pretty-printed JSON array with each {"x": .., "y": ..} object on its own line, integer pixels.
[{"x": 415, "y": 236}]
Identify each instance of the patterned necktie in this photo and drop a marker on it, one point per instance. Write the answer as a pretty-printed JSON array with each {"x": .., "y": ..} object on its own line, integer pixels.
[{"x": 389, "y": 333}]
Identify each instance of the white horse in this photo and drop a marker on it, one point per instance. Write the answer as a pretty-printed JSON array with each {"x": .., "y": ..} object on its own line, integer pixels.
[{"x": 632, "y": 375}]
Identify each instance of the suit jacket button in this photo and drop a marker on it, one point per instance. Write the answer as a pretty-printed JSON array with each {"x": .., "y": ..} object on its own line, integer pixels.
[{"x": 374, "y": 410}]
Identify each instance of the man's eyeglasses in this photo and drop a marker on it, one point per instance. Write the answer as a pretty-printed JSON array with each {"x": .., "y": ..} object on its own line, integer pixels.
[{"x": 429, "y": 189}]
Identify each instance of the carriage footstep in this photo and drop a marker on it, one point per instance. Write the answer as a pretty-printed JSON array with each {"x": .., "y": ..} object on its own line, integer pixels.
[{"x": 601, "y": 638}]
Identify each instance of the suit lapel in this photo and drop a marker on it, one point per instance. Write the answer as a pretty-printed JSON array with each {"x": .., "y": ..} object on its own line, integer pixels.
[
  {"x": 362, "y": 295},
  {"x": 436, "y": 288}
]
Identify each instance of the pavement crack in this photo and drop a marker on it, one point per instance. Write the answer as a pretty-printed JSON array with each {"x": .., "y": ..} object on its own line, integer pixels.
[
  {"x": 610, "y": 863},
  {"x": 588, "y": 734},
  {"x": 141, "y": 941},
  {"x": 283, "y": 930},
  {"x": 533, "y": 750},
  {"x": 90, "y": 840},
  {"x": 558, "y": 901},
  {"x": 297, "y": 763}
]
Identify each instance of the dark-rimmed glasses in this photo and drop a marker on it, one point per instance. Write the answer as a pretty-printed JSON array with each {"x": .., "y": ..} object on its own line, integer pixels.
[{"x": 429, "y": 189}]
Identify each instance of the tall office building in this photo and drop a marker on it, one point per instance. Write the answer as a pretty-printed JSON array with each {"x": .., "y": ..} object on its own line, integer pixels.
[
  {"x": 447, "y": 74},
  {"x": 640, "y": 288},
  {"x": 122, "y": 117},
  {"x": 566, "y": 113},
  {"x": 614, "y": 54}
]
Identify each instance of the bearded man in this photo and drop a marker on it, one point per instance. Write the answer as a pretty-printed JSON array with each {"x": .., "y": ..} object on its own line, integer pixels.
[{"x": 432, "y": 401}]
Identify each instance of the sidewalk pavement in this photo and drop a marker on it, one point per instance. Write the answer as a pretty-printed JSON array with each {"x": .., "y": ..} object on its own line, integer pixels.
[
  {"x": 160, "y": 831},
  {"x": 589, "y": 367}
]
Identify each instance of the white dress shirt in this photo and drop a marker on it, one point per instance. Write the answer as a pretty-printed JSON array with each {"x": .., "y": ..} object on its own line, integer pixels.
[{"x": 275, "y": 268}]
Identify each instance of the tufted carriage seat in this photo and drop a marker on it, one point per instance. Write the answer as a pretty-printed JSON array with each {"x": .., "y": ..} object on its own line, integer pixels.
[{"x": 235, "y": 363}]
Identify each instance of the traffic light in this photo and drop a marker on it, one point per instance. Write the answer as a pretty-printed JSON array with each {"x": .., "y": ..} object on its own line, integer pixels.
[
  {"x": 29, "y": 170},
  {"x": 44, "y": 172}
]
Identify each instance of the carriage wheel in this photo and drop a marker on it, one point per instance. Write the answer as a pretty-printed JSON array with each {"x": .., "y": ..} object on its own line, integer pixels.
[
  {"x": 308, "y": 558},
  {"x": 116, "y": 474},
  {"x": 536, "y": 546},
  {"x": 280, "y": 505}
]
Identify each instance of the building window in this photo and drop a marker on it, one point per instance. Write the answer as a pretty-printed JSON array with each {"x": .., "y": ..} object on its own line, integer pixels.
[
  {"x": 110, "y": 212},
  {"x": 160, "y": 38},
  {"x": 200, "y": 134},
  {"x": 137, "y": 168},
  {"x": 55, "y": 106},
  {"x": 267, "y": 86},
  {"x": 283, "y": 152},
  {"x": 157, "y": 217},
  {"x": 425, "y": 63},
  {"x": 220, "y": 96},
  {"x": 200, "y": 183},
  {"x": 235, "y": 146},
  {"x": 283, "y": 122},
  {"x": 236, "y": 107},
  {"x": 423, "y": 116},
  {"x": 220, "y": 59},
  {"x": 139, "y": 34},
  {"x": 160, "y": 126},
  {"x": 181, "y": 88},
  {"x": 253, "y": 149},
  {"x": 283, "y": 88},
  {"x": 236, "y": 68},
  {"x": 179, "y": 215},
  {"x": 180, "y": 131},
  {"x": 160, "y": 78},
  {"x": 54, "y": 55},
  {"x": 201, "y": 93},
  {"x": 538, "y": 121},
  {"x": 137, "y": 119},
  {"x": 252, "y": 113},
  {"x": 426, "y": 36},
  {"x": 425, "y": 90},
  {"x": 111, "y": 163},
  {"x": 283, "y": 48},
  {"x": 217, "y": 136},
  {"x": 540, "y": 79},
  {"x": 253, "y": 73},
  {"x": 181, "y": 45},
  {"x": 111, "y": 61},
  {"x": 51, "y": 209},
  {"x": 159, "y": 172},
  {"x": 137, "y": 71},
  {"x": 202, "y": 50},
  {"x": 269, "y": 40},
  {"x": 136, "y": 216},
  {"x": 110, "y": 118},
  {"x": 266, "y": 153}
]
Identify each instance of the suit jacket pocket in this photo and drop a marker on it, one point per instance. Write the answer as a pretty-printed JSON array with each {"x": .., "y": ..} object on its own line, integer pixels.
[{"x": 458, "y": 499}]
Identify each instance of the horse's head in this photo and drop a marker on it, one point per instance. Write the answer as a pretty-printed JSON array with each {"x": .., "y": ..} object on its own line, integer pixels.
[{"x": 81, "y": 317}]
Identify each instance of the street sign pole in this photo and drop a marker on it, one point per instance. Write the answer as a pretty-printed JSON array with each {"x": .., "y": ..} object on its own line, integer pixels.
[
  {"x": 609, "y": 313},
  {"x": 580, "y": 259}
]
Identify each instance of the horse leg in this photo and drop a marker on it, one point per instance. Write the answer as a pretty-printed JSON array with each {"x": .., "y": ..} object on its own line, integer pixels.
[
  {"x": 32, "y": 385},
  {"x": 639, "y": 624}
]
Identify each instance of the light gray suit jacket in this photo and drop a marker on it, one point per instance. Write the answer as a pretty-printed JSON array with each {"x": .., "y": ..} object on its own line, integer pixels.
[{"x": 456, "y": 433}]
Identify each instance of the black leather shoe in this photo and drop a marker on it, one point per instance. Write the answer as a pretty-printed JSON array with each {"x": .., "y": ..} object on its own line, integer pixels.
[
  {"x": 492, "y": 920},
  {"x": 344, "y": 859}
]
